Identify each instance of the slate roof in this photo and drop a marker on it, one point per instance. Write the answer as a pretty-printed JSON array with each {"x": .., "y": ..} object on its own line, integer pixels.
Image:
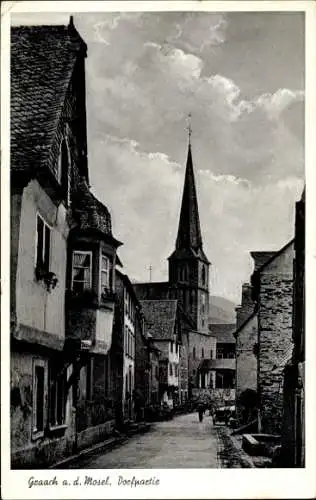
[
  {"x": 88, "y": 213},
  {"x": 189, "y": 231},
  {"x": 224, "y": 333},
  {"x": 152, "y": 290},
  {"x": 42, "y": 62},
  {"x": 189, "y": 238},
  {"x": 160, "y": 317}
]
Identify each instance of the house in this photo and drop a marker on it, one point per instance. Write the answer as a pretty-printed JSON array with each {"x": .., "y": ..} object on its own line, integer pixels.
[
  {"x": 162, "y": 323},
  {"x": 144, "y": 367},
  {"x": 247, "y": 368},
  {"x": 153, "y": 382},
  {"x": 201, "y": 348},
  {"x": 90, "y": 303},
  {"x": 272, "y": 283},
  {"x": 62, "y": 255},
  {"x": 293, "y": 429},
  {"x": 246, "y": 336},
  {"x": 129, "y": 320},
  {"x": 217, "y": 369}
]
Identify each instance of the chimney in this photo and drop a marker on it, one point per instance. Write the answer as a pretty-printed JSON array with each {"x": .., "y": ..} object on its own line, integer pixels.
[{"x": 247, "y": 305}]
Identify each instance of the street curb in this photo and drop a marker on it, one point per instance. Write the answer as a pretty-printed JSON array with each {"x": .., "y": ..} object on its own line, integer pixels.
[
  {"x": 242, "y": 455},
  {"x": 107, "y": 445}
]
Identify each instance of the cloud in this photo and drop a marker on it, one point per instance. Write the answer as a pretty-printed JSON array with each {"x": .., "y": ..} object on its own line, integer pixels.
[
  {"x": 241, "y": 76},
  {"x": 143, "y": 191}
]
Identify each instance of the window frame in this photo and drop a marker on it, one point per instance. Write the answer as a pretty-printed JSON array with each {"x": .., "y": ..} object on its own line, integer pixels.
[
  {"x": 102, "y": 270},
  {"x": 85, "y": 252},
  {"x": 39, "y": 433},
  {"x": 45, "y": 224},
  {"x": 54, "y": 383}
]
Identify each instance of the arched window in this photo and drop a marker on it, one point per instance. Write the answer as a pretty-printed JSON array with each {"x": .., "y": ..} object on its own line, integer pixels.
[
  {"x": 203, "y": 275},
  {"x": 202, "y": 353},
  {"x": 194, "y": 353},
  {"x": 183, "y": 272}
]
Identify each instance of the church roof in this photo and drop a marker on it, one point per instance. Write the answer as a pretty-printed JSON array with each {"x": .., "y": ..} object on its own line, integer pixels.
[
  {"x": 160, "y": 318},
  {"x": 189, "y": 230},
  {"x": 42, "y": 62}
]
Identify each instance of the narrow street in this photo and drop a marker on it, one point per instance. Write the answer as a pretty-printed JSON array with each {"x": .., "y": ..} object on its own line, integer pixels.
[{"x": 183, "y": 442}]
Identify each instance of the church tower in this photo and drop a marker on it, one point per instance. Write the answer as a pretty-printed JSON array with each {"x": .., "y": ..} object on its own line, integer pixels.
[{"x": 188, "y": 264}]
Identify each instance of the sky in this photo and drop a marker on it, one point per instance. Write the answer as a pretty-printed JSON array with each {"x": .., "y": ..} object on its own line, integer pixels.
[{"x": 242, "y": 78}]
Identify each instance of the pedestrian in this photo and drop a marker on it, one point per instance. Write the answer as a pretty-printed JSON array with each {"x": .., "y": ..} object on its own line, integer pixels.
[{"x": 200, "y": 409}]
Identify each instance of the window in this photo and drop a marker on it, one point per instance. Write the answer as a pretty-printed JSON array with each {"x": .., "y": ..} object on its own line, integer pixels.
[
  {"x": 156, "y": 372},
  {"x": 42, "y": 244},
  {"x": 81, "y": 271},
  {"x": 57, "y": 398},
  {"x": 202, "y": 355},
  {"x": 211, "y": 354},
  {"x": 170, "y": 370},
  {"x": 220, "y": 353},
  {"x": 203, "y": 275},
  {"x": 176, "y": 370},
  {"x": 203, "y": 305},
  {"x": 194, "y": 353},
  {"x": 39, "y": 389},
  {"x": 105, "y": 273},
  {"x": 171, "y": 346}
]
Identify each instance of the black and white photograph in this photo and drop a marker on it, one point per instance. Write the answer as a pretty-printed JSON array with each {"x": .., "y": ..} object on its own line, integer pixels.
[{"x": 156, "y": 211}]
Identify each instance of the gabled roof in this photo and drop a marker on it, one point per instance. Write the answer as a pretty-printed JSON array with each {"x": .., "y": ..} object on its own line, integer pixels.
[
  {"x": 245, "y": 322},
  {"x": 273, "y": 255},
  {"x": 223, "y": 332},
  {"x": 160, "y": 318},
  {"x": 42, "y": 62}
]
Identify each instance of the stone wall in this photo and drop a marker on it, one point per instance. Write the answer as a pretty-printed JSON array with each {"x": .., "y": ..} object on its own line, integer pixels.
[
  {"x": 275, "y": 335},
  {"x": 246, "y": 360}
]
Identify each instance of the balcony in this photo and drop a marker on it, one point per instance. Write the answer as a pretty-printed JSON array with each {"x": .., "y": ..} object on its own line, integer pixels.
[{"x": 218, "y": 364}]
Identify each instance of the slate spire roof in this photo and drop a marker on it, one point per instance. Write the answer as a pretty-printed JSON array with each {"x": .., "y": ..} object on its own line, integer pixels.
[{"x": 189, "y": 231}]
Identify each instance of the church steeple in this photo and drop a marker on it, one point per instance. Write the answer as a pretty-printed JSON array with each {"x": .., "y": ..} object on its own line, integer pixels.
[
  {"x": 188, "y": 264},
  {"x": 189, "y": 231}
]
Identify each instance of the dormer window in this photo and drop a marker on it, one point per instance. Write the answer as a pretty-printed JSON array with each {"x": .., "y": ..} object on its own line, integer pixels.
[{"x": 81, "y": 271}]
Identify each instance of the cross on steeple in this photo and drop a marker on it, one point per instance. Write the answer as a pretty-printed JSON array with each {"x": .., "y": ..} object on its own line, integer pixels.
[{"x": 189, "y": 128}]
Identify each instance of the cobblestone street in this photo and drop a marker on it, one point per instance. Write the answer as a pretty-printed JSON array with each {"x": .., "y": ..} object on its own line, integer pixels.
[{"x": 183, "y": 442}]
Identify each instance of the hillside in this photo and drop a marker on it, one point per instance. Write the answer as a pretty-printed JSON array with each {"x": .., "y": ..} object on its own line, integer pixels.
[{"x": 221, "y": 310}]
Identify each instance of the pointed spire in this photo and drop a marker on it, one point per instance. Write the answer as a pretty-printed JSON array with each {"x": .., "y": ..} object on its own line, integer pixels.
[{"x": 189, "y": 231}]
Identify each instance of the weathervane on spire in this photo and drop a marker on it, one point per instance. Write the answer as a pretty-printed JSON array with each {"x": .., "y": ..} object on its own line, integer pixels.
[{"x": 189, "y": 128}]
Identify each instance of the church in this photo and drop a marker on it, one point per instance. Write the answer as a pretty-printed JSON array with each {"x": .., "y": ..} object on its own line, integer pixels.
[{"x": 188, "y": 284}]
